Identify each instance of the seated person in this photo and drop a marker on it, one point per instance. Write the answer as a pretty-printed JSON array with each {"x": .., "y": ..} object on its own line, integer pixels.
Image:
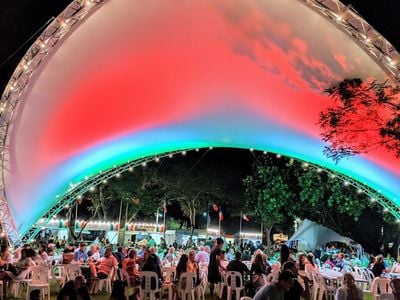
[
  {"x": 129, "y": 265},
  {"x": 68, "y": 254},
  {"x": 300, "y": 286},
  {"x": 170, "y": 257},
  {"x": 19, "y": 270},
  {"x": 80, "y": 255},
  {"x": 102, "y": 268},
  {"x": 185, "y": 266},
  {"x": 349, "y": 289},
  {"x": 237, "y": 265},
  {"x": 379, "y": 267},
  {"x": 151, "y": 264},
  {"x": 5, "y": 255},
  {"x": 94, "y": 253}
]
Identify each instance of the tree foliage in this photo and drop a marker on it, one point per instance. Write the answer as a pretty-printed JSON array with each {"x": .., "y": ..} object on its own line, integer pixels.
[
  {"x": 364, "y": 117},
  {"x": 268, "y": 193}
]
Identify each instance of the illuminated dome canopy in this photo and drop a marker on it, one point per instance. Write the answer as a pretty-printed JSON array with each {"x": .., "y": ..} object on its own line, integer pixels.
[{"x": 142, "y": 78}]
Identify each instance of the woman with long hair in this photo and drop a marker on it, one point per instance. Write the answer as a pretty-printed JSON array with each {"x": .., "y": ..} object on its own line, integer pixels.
[
  {"x": 257, "y": 270},
  {"x": 349, "y": 290}
]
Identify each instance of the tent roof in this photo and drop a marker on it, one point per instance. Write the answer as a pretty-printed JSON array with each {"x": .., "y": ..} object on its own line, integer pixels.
[{"x": 316, "y": 235}]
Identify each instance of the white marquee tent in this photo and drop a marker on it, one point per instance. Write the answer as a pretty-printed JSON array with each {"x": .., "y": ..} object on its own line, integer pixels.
[{"x": 317, "y": 235}]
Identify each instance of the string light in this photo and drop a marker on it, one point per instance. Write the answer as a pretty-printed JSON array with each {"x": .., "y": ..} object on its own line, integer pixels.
[
  {"x": 92, "y": 188},
  {"x": 278, "y": 156},
  {"x": 144, "y": 164},
  {"x": 197, "y": 149},
  {"x": 346, "y": 183},
  {"x": 170, "y": 155},
  {"x": 118, "y": 175},
  {"x": 251, "y": 149},
  {"x": 157, "y": 159},
  {"x": 131, "y": 169},
  {"x": 184, "y": 152},
  {"x": 265, "y": 152}
]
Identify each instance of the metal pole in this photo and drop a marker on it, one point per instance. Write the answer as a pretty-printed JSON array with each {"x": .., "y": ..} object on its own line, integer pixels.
[
  {"x": 165, "y": 224},
  {"x": 240, "y": 228},
  {"x": 156, "y": 219},
  {"x": 208, "y": 219},
  {"x": 126, "y": 220},
  {"x": 219, "y": 223},
  {"x": 76, "y": 210},
  {"x": 119, "y": 218}
]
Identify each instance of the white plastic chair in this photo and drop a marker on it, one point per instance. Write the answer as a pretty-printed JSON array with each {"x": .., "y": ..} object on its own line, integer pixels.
[
  {"x": 168, "y": 283},
  {"x": 126, "y": 278},
  {"x": 1, "y": 289},
  {"x": 222, "y": 285},
  {"x": 386, "y": 297},
  {"x": 59, "y": 274},
  {"x": 323, "y": 289},
  {"x": 107, "y": 282},
  {"x": 186, "y": 285},
  {"x": 39, "y": 280},
  {"x": 148, "y": 277},
  {"x": 72, "y": 271},
  {"x": 235, "y": 284},
  {"x": 201, "y": 288},
  {"x": 380, "y": 285},
  {"x": 18, "y": 281}
]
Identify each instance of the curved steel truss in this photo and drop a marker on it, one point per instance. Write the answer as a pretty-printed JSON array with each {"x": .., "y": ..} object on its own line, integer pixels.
[
  {"x": 37, "y": 53},
  {"x": 78, "y": 190},
  {"x": 344, "y": 17}
]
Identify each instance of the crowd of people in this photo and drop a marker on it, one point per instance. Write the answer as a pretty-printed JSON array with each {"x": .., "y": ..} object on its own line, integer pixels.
[{"x": 295, "y": 272}]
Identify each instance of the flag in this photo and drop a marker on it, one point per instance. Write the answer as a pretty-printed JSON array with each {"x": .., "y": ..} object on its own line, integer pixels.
[
  {"x": 246, "y": 218},
  {"x": 221, "y": 216},
  {"x": 215, "y": 207},
  {"x": 165, "y": 208}
]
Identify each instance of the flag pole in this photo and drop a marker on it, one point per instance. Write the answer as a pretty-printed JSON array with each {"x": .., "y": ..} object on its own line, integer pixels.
[
  {"x": 165, "y": 213},
  {"x": 219, "y": 223},
  {"x": 208, "y": 218},
  {"x": 240, "y": 228}
]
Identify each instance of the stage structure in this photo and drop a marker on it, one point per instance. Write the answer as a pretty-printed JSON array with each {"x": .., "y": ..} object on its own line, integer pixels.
[{"x": 110, "y": 85}]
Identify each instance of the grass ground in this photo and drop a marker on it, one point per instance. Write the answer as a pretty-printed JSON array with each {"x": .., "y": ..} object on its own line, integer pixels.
[{"x": 106, "y": 296}]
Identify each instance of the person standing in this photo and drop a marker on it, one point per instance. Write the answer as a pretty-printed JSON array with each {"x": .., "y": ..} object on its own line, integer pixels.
[{"x": 214, "y": 276}]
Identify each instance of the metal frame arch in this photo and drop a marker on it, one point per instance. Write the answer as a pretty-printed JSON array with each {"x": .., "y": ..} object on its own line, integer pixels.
[
  {"x": 72, "y": 15},
  {"x": 78, "y": 189},
  {"x": 342, "y": 16}
]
